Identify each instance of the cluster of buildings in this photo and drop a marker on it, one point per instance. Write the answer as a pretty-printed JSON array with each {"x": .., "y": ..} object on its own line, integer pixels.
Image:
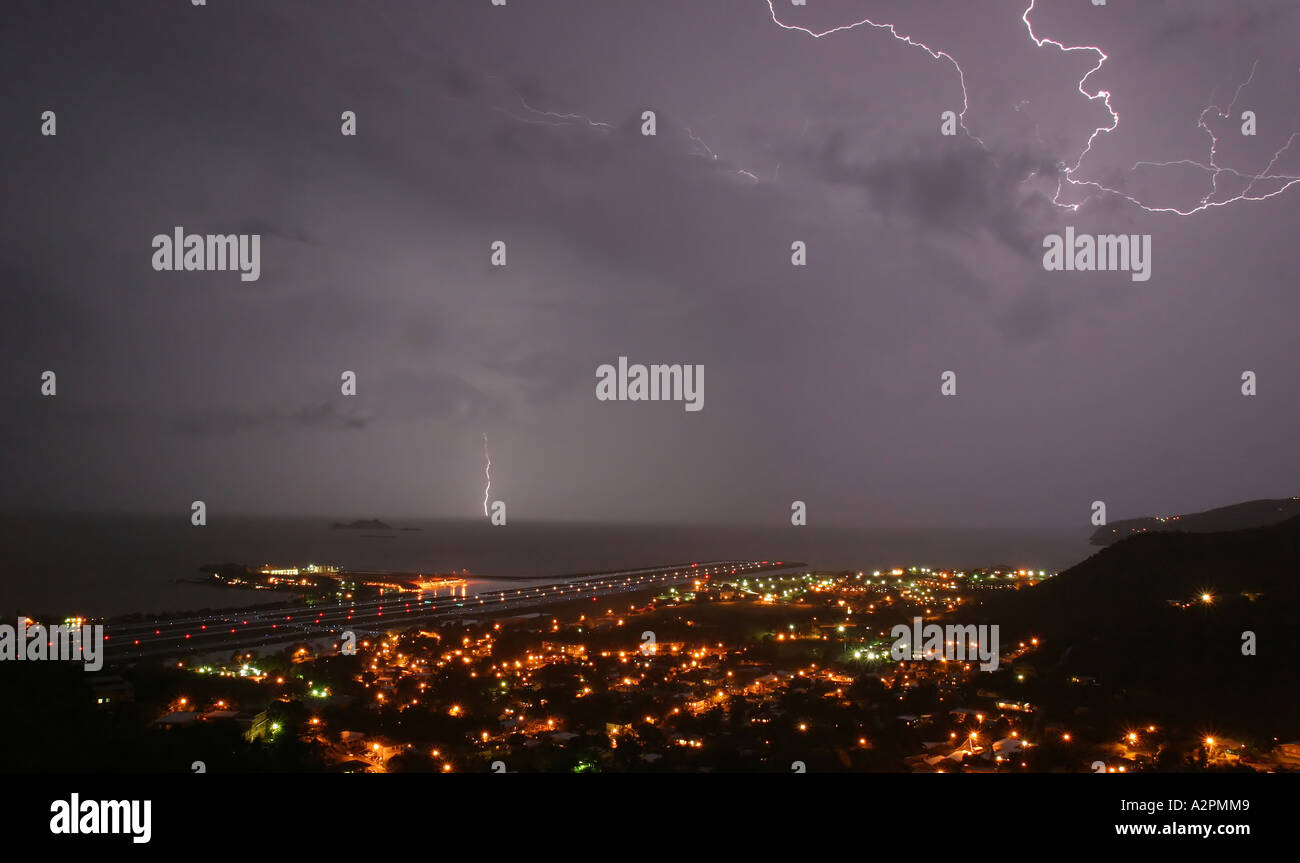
[
  {"x": 333, "y": 582},
  {"x": 730, "y": 673}
]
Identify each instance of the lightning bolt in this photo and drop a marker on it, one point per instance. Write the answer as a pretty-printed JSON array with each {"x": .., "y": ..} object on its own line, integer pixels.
[
  {"x": 1068, "y": 172},
  {"x": 1104, "y": 95},
  {"x": 712, "y": 156},
  {"x": 906, "y": 40},
  {"x": 487, "y": 472},
  {"x": 539, "y": 117},
  {"x": 554, "y": 118},
  {"x": 1212, "y": 168}
]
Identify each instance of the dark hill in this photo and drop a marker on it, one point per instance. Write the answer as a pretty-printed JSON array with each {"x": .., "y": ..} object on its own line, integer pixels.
[
  {"x": 1110, "y": 617},
  {"x": 1252, "y": 513}
]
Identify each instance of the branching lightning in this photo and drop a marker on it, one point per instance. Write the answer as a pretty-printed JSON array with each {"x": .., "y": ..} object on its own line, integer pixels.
[
  {"x": 1212, "y": 168},
  {"x": 1068, "y": 172},
  {"x": 1103, "y": 95},
  {"x": 1255, "y": 186}
]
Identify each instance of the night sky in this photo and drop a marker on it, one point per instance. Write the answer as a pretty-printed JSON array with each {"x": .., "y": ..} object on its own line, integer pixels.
[{"x": 522, "y": 123}]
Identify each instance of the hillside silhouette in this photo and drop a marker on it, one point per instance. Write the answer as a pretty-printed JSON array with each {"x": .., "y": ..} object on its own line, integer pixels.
[
  {"x": 1238, "y": 516},
  {"x": 1132, "y": 617}
]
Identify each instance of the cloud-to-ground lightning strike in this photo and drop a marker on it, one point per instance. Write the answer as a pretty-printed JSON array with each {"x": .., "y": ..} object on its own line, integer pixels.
[{"x": 487, "y": 473}]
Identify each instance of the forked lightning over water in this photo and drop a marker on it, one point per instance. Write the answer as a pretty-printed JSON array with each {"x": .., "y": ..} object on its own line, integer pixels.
[{"x": 487, "y": 473}]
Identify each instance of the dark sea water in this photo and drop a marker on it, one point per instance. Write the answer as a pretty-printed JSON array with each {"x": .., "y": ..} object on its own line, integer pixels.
[{"x": 99, "y": 565}]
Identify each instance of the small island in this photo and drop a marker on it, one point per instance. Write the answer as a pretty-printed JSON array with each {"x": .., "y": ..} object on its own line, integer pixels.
[{"x": 362, "y": 524}]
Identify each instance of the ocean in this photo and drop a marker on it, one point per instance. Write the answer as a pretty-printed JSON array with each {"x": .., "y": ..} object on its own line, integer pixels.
[{"x": 107, "y": 565}]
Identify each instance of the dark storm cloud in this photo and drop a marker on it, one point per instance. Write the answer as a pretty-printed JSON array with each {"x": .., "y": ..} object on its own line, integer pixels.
[
  {"x": 459, "y": 81},
  {"x": 967, "y": 191},
  {"x": 479, "y": 124},
  {"x": 223, "y": 423},
  {"x": 267, "y": 228},
  {"x": 1029, "y": 316},
  {"x": 1218, "y": 21}
]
